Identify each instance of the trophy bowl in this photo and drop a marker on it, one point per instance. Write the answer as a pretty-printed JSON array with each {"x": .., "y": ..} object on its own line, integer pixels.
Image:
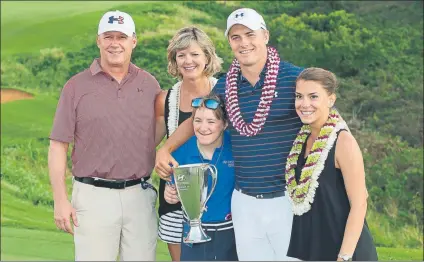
[{"x": 194, "y": 191}]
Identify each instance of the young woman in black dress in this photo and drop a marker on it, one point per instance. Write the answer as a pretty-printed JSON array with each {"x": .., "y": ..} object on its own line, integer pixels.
[{"x": 326, "y": 179}]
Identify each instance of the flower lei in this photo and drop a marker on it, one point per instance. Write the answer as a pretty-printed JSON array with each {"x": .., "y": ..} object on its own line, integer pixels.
[
  {"x": 302, "y": 195},
  {"x": 268, "y": 91},
  {"x": 174, "y": 107},
  {"x": 174, "y": 104}
]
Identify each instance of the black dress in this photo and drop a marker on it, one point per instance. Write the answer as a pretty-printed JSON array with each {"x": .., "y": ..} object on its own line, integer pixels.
[
  {"x": 165, "y": 207},
  {"x": 318, "y": 233}
]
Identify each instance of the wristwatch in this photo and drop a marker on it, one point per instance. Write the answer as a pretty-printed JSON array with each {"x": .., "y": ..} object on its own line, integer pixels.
[{"x": 345, "y": 257}]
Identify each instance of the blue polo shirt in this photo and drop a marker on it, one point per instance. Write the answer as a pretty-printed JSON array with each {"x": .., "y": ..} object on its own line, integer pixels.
[
  {"x": 260, "y": 160},
  {"x": 219, "y": 204}
]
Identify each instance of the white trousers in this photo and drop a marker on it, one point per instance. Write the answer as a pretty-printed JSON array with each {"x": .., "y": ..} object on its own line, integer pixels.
[
  {"x": 114, "y": 221},
  {"x": 262, "y": 227}
]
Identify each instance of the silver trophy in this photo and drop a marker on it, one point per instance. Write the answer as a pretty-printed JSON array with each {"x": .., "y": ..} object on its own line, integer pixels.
[{"x": 191, "y": 182}]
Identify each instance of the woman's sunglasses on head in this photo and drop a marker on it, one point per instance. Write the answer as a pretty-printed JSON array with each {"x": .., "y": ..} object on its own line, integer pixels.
[{"x": 209, "y": 103}]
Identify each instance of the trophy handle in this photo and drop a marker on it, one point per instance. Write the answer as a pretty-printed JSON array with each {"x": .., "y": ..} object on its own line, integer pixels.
[{"x": 214, "y": 174}]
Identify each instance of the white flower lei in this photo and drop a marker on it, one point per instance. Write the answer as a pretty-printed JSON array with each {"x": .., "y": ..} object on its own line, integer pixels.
[
  {"x": 301, "y": 195},
  {"x": 174, "y": 104}
]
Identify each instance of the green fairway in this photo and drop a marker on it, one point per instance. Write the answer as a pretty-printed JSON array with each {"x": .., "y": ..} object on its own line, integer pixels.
[
  {"x": 23, "y": 224},
  {"x": 39, "y": 245},
  {"x": 47, "y": 245},
  {"x": 24, "y": 119},
  {"x": 16, "y": 212},
  {"x": 386, "y": 253},
  {"x": 62, "y": 24},
  {"x": 28, "y": 11},
  {"x": 32, "y": 227}
]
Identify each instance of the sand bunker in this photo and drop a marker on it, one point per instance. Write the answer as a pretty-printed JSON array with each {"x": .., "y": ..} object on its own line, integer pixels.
[{"x": 9, "y": 95}]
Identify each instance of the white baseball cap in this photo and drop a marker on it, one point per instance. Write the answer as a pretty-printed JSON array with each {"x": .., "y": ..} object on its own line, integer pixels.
[
  {"x": 247, "y": 17},
  {"x": 117, "y": 21}
]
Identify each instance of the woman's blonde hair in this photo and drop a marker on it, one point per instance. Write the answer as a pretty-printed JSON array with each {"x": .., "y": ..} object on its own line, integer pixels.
[{"x": 182, "y": 39}]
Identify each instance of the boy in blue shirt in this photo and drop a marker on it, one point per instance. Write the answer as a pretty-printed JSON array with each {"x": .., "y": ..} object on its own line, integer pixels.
[{"x": 211, "y": 144}]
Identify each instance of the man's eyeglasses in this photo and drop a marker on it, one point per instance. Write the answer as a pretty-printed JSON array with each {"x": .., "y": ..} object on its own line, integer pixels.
[{"x": 209, "y": 103}]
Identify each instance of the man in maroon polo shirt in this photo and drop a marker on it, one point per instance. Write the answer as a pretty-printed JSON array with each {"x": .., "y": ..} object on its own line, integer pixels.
[{"x": 107, "y": 113}]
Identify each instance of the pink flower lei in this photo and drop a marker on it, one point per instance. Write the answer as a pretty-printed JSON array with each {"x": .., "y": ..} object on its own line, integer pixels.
[{"x": 268, "y": 91}]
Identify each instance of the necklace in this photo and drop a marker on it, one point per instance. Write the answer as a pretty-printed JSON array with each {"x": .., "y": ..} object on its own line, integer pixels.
[
  {"x": 174, "y": 104},
  {"x": 201, "y": 154},
  {"x": 302, "y": 194},
  {"x": 268, "y": 92}
]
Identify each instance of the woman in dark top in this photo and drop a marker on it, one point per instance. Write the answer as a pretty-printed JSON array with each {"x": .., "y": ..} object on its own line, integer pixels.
[
  {"x": 325, "y": 178},
  {"x": 192, "y": 59}
]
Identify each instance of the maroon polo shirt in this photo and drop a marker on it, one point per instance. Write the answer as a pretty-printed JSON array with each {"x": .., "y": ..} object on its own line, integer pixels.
[{"x": 111, "y": 124}]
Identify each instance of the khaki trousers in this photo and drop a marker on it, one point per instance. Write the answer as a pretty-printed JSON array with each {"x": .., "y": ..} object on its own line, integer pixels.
[{"x": 114, "y": 221}]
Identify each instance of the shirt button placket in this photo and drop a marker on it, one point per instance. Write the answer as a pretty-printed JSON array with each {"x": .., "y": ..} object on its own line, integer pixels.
[{"x": 118, "y": 87}]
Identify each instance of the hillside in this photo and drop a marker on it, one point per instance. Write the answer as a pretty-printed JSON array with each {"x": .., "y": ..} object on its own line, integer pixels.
[{"x": 375, "y": 48}]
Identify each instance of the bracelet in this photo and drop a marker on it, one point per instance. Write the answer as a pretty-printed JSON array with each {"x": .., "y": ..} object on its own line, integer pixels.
[{"x": 345, "y": 257}]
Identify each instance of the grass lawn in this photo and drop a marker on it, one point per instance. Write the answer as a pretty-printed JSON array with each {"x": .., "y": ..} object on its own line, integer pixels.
[
  {"x": 25, "y": 119},
  {"x": 43, "y": 10},
  {"x": 19, "y": 213},
  {"x": 32, "y": 227},
  {"x": 68, "y": 25},
  {"x": 386, "y": 253},
  {"x": 48, "y": 245},
  {"x": 48, "y": 16}
]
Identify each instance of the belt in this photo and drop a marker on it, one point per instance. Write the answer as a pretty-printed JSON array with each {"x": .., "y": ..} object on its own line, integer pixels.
[
  {"x": 263, "y": 195},
  {"x": 114, "y": 184},
  {"x": 212, "y": 226}
]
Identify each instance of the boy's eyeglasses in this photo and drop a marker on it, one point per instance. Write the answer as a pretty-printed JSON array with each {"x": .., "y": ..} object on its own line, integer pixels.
[{"x": 209, "y": 103}]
